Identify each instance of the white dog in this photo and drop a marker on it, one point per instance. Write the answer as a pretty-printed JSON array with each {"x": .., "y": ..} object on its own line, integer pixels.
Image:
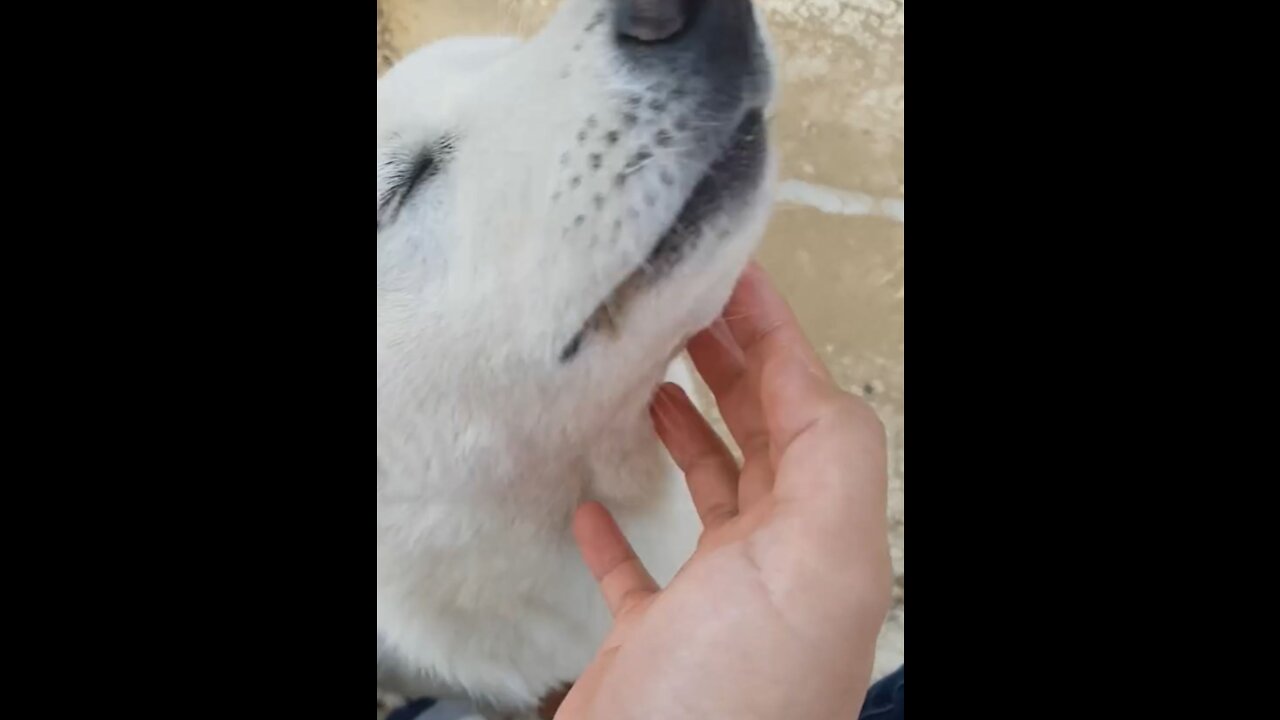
[{"x": 555, "y": 218}]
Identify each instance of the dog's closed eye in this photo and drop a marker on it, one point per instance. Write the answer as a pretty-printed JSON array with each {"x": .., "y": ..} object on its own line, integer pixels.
[{"x": 404, "y": 173}]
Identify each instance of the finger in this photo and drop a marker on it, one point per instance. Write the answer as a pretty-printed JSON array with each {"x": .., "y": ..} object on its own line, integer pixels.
[
  {"x": 622, "y": 577},
  {"x": 831, "y": 441},
  {"x": 708, "y": 467},
  {"x": 722, "y": 364},
  {"x": 763, "y": 325},
  {"x": 717, "y": 356},
  {"x": 760, "y": 325}
]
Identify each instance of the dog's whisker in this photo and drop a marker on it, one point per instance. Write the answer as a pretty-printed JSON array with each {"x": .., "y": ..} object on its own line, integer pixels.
[{"x": 633, "y": 168}]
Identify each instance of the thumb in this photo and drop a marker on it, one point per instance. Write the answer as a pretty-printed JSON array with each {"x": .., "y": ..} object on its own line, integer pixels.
[{"x": 622, "y": 577}]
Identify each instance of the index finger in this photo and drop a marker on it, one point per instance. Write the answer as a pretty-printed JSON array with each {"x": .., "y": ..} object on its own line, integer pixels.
[{"x": 763, "y": 324}]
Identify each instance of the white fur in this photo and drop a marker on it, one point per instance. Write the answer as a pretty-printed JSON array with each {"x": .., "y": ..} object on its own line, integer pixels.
[{"x": 486, "y": 440}]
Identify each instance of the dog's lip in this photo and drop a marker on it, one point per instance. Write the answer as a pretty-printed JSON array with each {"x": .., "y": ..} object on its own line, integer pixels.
[
  {"x": 721, "y": 178},
  {"x": 737, "y": 170}
]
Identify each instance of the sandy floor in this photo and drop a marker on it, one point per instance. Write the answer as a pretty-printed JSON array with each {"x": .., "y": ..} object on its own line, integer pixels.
[{"x": 837, "y": 242}]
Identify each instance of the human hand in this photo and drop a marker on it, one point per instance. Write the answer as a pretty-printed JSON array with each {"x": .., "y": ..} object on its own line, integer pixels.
[{"x": 776, "y": 614}]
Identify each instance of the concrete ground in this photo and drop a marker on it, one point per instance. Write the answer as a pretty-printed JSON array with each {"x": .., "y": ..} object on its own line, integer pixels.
[{"x": 837, "y": 242}]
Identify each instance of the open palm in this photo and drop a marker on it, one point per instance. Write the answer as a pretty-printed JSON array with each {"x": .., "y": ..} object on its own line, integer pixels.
[{"x": 777, "y": 611}]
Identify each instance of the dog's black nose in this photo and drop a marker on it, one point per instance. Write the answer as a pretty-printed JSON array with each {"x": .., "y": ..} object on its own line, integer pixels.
[
  {"x": 711, "y": 49},
  {"x": 653, "y": 21}
]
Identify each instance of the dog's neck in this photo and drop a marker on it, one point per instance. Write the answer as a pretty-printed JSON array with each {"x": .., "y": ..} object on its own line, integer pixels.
[{"x": 526, "y": 452}]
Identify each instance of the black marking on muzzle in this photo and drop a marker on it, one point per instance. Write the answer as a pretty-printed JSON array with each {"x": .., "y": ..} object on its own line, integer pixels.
[{"x": 733, "y": 175}]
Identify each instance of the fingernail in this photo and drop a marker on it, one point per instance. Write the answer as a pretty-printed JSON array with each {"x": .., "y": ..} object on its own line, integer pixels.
[{"x": 662, "y": 394}]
